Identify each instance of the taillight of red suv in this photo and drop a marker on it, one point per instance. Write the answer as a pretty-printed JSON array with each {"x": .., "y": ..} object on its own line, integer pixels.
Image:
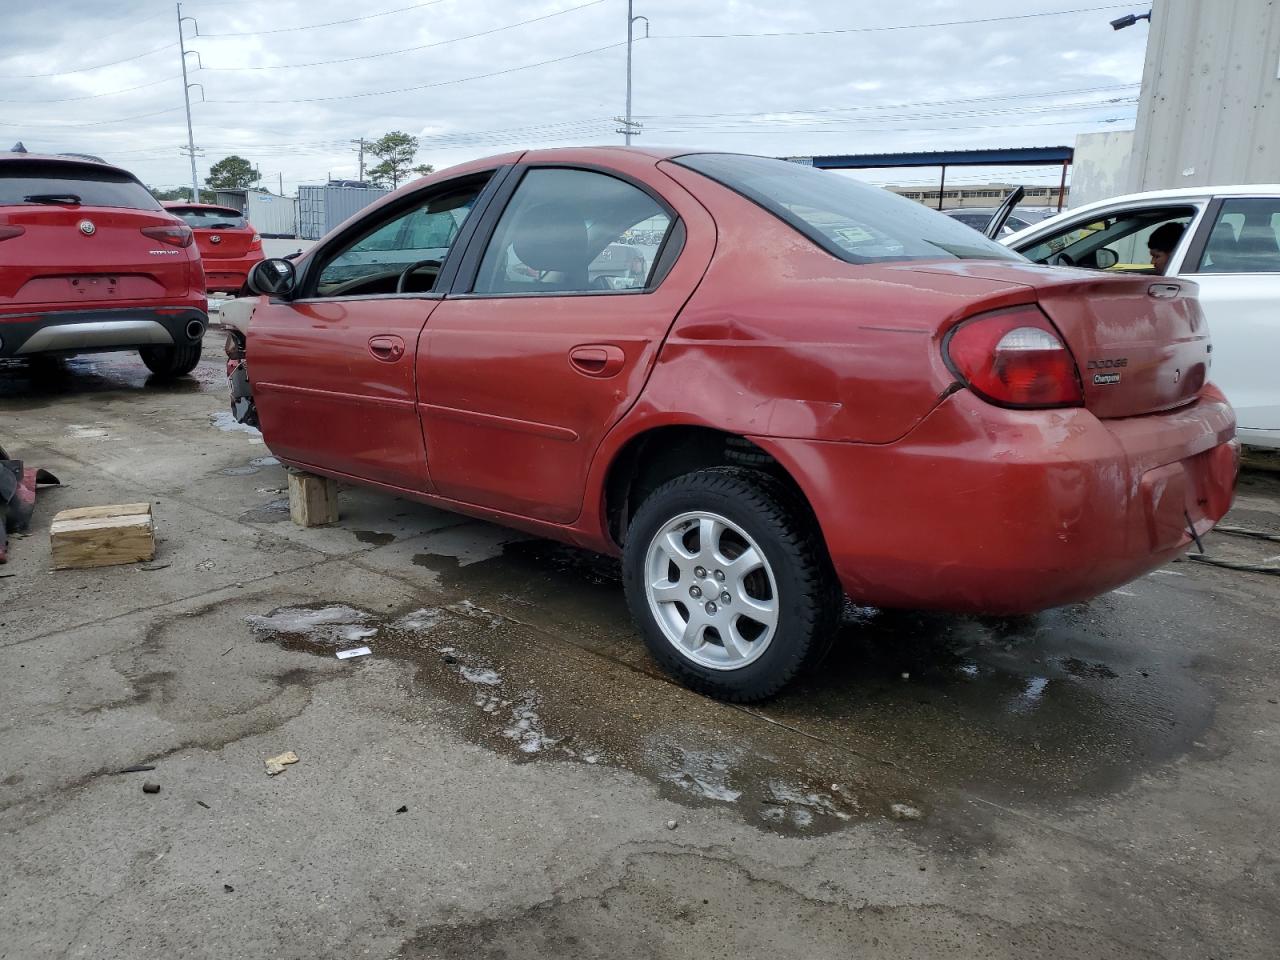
[
  {"x": 1014, "y": 358},
  {"x": 177, "y": 235}
]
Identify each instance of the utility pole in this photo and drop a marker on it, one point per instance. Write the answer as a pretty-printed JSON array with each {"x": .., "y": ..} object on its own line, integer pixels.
[
  {"x": 281, "y": 176},
  {"x": 629, "y": 127},
  {"x": 361, "y": 142},
  {"x": 186, "y": 96}
]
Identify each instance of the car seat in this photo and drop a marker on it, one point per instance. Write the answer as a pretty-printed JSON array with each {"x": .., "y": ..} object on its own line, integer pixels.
[{"x": 552, "y": 239}]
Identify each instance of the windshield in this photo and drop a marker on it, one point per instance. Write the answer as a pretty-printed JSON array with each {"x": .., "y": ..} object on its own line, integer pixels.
[
  {"x": 32, "y": 182},
  {"x": 850, "y": 220},
  {"x": 203, "y": 218}
]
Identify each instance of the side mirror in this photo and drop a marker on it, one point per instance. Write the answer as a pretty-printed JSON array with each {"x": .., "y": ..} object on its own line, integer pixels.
[
  {"x": 1106, "y": 258},
  {"x": 274, "y": 278}
]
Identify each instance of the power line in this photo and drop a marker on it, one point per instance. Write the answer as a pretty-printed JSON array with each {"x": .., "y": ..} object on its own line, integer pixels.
[
  {"x": 317, "y": 26},
  {"x": 67, "y": 73},
  {"x": 439, "y": 83},
  {"x": 901, "y": 26},
  {"x": 109, "y": 93},
  {"x": 89, "y": 123},
  {"x": 423, "y": 46}
]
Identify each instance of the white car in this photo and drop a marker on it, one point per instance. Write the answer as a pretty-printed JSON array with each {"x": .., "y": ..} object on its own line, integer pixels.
[{"x": 1230, "y": 247}]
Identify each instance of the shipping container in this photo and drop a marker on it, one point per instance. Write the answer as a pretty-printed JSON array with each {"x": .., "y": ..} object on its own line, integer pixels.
[
  {"x": 321, "y": 208},
  {"x": 270, "y": 215}
]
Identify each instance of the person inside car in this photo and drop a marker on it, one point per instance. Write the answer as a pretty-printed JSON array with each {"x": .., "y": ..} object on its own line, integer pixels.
[{"x": 1164, "y": 240}]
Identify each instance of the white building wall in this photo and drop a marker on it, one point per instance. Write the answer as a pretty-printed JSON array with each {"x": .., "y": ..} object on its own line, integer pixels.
[
  {"x": 1100, "y": 168},
  {"x": 1209, "y": 112}
]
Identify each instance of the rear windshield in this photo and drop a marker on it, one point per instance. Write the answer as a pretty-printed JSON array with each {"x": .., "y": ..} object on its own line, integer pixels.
[
  {"x": 89, "y": 185},
  {"x": 853, "y": 221},
  {"x": 216, "y": 219}
]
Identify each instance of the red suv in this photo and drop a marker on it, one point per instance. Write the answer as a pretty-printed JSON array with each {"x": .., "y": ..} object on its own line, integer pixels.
[
  {"x": 228, "y": 245},
  {"x": 90, "y": 261},
  {"x": 799, "y": 386}
]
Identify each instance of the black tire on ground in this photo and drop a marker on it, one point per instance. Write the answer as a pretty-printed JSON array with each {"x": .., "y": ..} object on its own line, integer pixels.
[
  {"x": 808, "y": 593},
  {"x": 171, "y": 361}
]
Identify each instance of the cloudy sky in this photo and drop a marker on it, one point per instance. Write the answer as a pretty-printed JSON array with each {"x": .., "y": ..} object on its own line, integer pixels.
[{"x": 290, "y": 83}]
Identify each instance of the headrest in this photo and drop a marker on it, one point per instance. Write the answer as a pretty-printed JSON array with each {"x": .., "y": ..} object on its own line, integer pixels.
[{"x": 551, "y": 236}]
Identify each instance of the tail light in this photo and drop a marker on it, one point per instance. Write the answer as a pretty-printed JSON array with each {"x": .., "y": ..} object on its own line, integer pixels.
[
  {"x": 1014, "y": 358},
  {"x": 9, "y": 232},
  {"x": 255, "y": 241},
  {"x": 177, "y": 235}
]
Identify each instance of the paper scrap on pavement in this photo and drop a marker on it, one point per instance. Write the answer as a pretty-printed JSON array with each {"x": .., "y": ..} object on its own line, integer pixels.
[
  {"x": 277, "y": 764},
  {"x": 354, "y": 652}
]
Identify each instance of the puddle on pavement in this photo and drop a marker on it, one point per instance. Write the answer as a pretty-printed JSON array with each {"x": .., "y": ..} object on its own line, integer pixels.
[
  {"x": 518, "y": 695},
  {"x": 273, "y": 511},
  {"x": 1073, "y": 700},
  {"x": 374, "y": 537},
  {"x": 250, "y": 468},
  {"x": 34, "y": 381}
]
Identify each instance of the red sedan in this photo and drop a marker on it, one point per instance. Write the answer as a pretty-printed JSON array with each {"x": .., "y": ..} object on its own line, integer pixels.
[
  {"x": 229, "y": 247},
  {"x": 792, "y": 386}
]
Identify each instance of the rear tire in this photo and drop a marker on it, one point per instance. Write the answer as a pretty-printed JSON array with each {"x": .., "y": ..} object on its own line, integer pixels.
[
  {"x": 741, "y": 534},
  {"x": 168, "y": 362}
]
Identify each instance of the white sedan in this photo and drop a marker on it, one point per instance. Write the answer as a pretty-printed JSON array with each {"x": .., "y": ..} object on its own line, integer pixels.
[{"x": 1230, "y": 246}]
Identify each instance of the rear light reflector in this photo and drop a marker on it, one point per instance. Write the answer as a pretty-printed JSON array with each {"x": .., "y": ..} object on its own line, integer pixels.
[
  {"x": 1014, "y": 358},
  {"x": 256, "y": 241},
  {"x": 8, "y": 232},
  {"x": 178, "y": 235}
]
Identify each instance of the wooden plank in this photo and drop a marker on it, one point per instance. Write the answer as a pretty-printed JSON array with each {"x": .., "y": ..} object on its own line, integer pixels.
[
  {"x": 102, "y": 536},
  {"x": 313, "y": 501}
]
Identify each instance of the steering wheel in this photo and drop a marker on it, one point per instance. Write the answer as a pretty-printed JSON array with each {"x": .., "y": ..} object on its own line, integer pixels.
[
  {"x": 403, "y": 279},
  {"x": 601, "y": 282},
  {"x": 1061, "y": 260}
]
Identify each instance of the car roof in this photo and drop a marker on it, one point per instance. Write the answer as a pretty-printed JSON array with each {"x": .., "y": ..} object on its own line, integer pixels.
[
  {"x": 197, "y": 206},
  {"x": 77, "y": 161}
]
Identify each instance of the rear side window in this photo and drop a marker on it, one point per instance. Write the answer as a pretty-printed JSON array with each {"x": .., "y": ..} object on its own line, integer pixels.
[
  {"x": 850, "y": 220},
  {"x": 206, "y": 219},
  {"x": 1245, "y": 238},
  {"x": 89, "y": 184}
]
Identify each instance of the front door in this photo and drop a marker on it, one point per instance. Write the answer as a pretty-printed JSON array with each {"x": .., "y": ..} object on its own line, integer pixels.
[
  {"x": 521, "y": 376},
  {"x": 333, "y": 369}
]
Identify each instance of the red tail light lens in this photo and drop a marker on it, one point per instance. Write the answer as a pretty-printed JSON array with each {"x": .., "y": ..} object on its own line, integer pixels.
[
  {"x": 1014, "y": 358},
  {"x": 255, "y": 241},
  {"x": 178, "y": 235},
  {"x": 9, "y": 232}
]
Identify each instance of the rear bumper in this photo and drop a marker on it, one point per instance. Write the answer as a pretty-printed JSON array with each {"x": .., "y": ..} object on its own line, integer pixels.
[
  {"x": 985, "y": 510},
  {"x": 87, "y": 331},
  {"x": 228, "y": 275}
]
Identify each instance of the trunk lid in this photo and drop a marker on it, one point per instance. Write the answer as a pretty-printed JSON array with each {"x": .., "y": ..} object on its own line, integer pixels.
[
  {"x": 222, "y": 233},
  {"x": 88, "y": 256},
  {"x": 1140, "y": 341},
  {"x": 217, "y": 244}
]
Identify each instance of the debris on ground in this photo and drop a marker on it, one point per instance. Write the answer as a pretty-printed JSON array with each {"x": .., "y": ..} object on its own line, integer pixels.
[
  {"x": 150, "y": 787},
  {"x": 905, "y": 811},
  {"x": 102, "y": 536},
  {"x": 402, "y": 810},
  {"x": 203, "y": 804},
  {"x": 354, "y": 652},
  {"x": 277, "y": 764},
  {"x": 18, "y": 484},
  {"x": 137, "y": 768},
  {"x": 671, "y": 824},
  {"x": 228, "y": 888}
]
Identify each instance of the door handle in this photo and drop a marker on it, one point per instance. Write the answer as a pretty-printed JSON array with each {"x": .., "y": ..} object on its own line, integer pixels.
[
  {"x": 597, "y": 359},
  {"x": 386, "y": 347}
]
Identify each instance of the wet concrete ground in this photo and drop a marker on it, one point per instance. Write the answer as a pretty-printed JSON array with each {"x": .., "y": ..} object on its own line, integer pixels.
[{"x": 1100, "y": 779}]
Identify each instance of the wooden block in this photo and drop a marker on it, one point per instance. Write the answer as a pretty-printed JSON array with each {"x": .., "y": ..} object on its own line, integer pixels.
[
  {"x": 102, "y": 536},
  {"x": 313, "y": 501}
]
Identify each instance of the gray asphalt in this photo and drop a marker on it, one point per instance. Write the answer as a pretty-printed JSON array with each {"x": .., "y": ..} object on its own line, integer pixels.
[{"x": 1099, "y": 780}]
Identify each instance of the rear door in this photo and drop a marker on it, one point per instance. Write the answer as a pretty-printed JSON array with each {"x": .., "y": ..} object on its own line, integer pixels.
[
  {"x": 333, "y": 370},
  {"x": 1235, "y": 261},
  {"x": 554, "y": 332},
  {"x": 79, "y": 242}
]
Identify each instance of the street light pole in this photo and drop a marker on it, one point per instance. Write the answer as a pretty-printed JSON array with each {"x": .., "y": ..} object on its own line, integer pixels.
[{"x": 186, "y": 97}]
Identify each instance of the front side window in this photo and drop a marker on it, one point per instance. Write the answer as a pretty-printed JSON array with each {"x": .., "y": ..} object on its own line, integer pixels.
[
  {"x": 1245, "y": 238},
  {"x": 853, "y": 221},
  {"x": 403, "y": 253},
  {"x": 1119, "y": 241},
  {"x": 573, "y": 231}
]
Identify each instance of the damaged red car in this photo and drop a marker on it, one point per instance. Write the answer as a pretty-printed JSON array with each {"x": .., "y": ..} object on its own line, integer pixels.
[{"x": 764, "y": 386}]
